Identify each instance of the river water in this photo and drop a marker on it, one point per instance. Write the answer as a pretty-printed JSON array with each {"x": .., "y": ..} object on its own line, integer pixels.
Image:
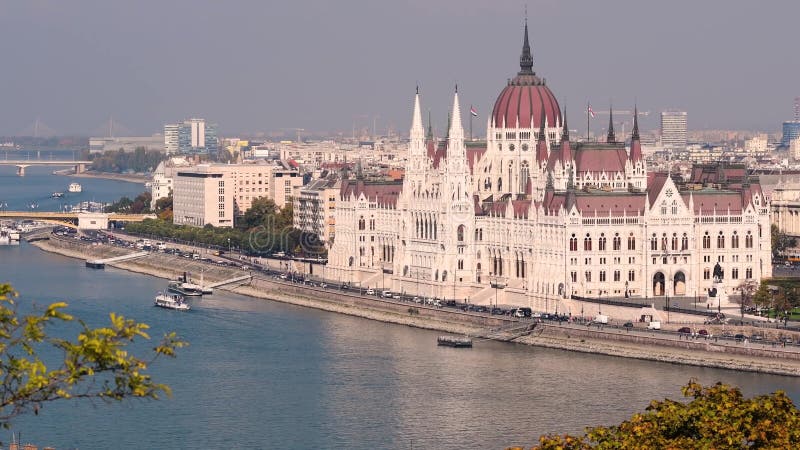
[{"x": 260, "y": 374}]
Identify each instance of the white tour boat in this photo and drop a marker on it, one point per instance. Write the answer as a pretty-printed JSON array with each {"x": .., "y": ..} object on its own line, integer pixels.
[
  {"x": 75, "y": 187},
  {"x": 171, "y": 301}
]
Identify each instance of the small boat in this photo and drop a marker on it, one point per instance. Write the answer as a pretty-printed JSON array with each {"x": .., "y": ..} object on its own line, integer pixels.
[
  {"x": 57, "y": 194},
  {"x": 75, "y": 187},
  {"x": 186, "y": 289},
  {"x": 171, "y": 301},
  {"x": 455, "y": 341}
]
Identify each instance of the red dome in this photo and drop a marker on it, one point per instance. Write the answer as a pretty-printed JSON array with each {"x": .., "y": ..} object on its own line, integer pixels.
[{"x": 523, "y": 100}]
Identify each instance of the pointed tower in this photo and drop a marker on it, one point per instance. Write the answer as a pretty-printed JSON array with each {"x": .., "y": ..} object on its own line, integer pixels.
[
  {"x": 611, "y": 138},
  {"x": 526, "y": 59},
  {"x": 417, "y": 150},
  {"x": 636, "y": 145},
  {"x": 566, "y": 148},
  {"x": 541, "y": 143}
]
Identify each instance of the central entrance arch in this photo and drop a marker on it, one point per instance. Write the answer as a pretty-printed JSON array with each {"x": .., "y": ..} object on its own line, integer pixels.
[
  {"x": 679, "y": 285},
  {"x": 658, "y": 284}
]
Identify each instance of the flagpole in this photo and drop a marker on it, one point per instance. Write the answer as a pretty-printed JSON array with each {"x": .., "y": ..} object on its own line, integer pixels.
[
  {"x": 587, "y": 121},
  {"x": 470, "y": 126}
]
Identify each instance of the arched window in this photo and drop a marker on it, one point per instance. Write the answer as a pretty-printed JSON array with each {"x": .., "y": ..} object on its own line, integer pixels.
[
  {"x": 499, "y": 184},
  {"x": 721, "y": 240},
  {"x": 748, "y": 240},
  {"x": 617, "y": 242},
  {"x": 460, "y": 233},
  {"x": 664, "y": 242},
  {"x": 601, "y": 243},
  {"x": 685, "y": 242},
  {"x": 573, "y": 244},
  {"x": 524, "y": 176},
  {"x": 587, "y": 243},
  {"x": 706, "y": 240},
  {"x": 653, "y": 242},
  {"x": 674, "y": 241},
  {"x": 735, "y": 240},
  {"x": 631, "y": 242}
]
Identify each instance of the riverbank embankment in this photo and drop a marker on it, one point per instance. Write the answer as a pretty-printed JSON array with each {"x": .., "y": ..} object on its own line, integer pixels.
[
  {"x": 127, "y": 177},
  {"x": 606, "y": 340}
]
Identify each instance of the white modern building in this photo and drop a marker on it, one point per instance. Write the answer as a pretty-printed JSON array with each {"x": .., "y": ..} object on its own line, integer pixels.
[
  {"x": 535, "y": 218},
  {"x": 203, "y": 195},
  {"x": 162, "y": 183},
  {"x": 191, "y": 136},
  {"x": 673, "y": 129},
  {"x": 315, "y": 208}
]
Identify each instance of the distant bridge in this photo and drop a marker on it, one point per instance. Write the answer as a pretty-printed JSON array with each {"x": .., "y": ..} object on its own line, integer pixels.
[
  {"x": 80, "y": 166},
  {"x": 81, "y": 220}
]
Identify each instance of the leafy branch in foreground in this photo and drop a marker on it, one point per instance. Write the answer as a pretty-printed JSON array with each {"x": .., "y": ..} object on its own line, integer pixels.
[
  {"x": 95, "y": 365},
  {"x": 718, "y": 417}
]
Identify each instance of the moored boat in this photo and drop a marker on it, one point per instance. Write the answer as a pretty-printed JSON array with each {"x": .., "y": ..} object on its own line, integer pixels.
[
  {"x": 57, "y": 194},
  {"x": 455, "y": 341},
  {"x": 186, "y": 289},
  {"x": 171, "y": 301},
  {"x": 75, "y": 187}
]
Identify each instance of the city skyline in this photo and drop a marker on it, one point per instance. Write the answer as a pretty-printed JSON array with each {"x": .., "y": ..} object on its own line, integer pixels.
[{"x": 322, "y": 67}]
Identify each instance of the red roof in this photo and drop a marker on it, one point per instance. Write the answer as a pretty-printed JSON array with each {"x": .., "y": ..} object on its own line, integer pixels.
[
  {"x": 712, "y": 201},
  {"x": 602, "y": 204},
  {"x": 600, "y": 159},
  {"x": 655, "y": 182},
  {"x": 383, "y": 193},
  {"x": 473, "y": 155},
  {"x": 521, "y": 102}
]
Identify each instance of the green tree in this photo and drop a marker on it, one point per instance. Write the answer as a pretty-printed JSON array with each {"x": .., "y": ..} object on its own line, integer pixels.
[
  {"x": 96, "y": 364},
  {"x": 717, "y": 417},
  {"x": 762, "y": 297},
  {"x": 780, "y": 241},
  {"x": 263, "y": 211}
]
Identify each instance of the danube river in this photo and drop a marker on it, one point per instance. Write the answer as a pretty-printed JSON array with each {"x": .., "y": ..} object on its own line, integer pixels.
[{"x": 260, "y": 374}]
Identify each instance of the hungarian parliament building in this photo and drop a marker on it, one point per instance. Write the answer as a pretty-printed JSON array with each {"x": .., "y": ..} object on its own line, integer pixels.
[{"x": 533, "y": 217}]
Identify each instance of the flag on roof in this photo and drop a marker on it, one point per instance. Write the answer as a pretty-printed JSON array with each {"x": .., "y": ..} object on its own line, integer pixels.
[
  {"x": 473, "y": 111},
  {"x": 591, "y": 113}
]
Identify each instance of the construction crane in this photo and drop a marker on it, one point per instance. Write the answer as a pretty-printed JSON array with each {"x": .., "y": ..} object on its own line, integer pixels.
[{"x": 623, "y": 112}]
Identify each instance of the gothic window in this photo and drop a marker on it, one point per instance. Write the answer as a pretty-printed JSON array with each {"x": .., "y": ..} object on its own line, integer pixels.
[
  {"x": 664, "y": 242},
  {"x": 616, "y": 275},
  {"x": 664, "y": 208},
  {"x": 631, "y": 275},
  {"x": 524, "y": 176},
  {"x": 573, "y": 276},
  {"x": 706, "y": 274},
  {"x": 674, "y": 241},
  {"x": 617, "y": 242},
  {"x": 601, "y": 243},
  {"x": 602, "y": 275},
  {"x": 721, "y": 240},
  {"x": 685, "y": 242},
  {"x": 748, "y": 240},
  {"x": 573, "y": 244},
  {"x": 588, "y": 276},
  {"x": 631, "y": 242},
  {"x": 735, "y": 240},
  {"x": 748, "y": 273},
  {"x": 706, "y": 240},
  {"x": 499, "y": 184},
  {"x": 362, "y": 224},
  {"x": 735, "y": 273},
  {"x": 674, "y": 207},
  {"x": 587, "y": 243},
  {"x": 654, "y": 242},
  {"x": 460, "y": 233}
]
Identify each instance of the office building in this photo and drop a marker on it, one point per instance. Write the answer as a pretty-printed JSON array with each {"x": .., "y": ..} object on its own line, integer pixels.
[
  {"x": 191, "y": 136},
  {"x": 673, "y": 129}
]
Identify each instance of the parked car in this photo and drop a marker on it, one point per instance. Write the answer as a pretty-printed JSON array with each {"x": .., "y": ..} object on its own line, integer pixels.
[
  {"x": 739, "y": 337},
  {"x": 703, "y": 332},
  {"x": 370, "y": 291},
  {"x": 386, "y": 294},
  {"x": 627, "y": 325},
  {"x": 685, "y": 330}
]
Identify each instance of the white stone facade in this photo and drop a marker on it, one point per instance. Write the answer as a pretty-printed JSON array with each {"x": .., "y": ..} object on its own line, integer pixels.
[{"x": 533, "y": 224}]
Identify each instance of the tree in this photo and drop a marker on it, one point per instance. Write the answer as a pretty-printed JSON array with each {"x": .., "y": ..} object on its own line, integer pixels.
[
  {"x": 747, "y": 289},
  {"x": 780, "y": 241},
  {"x": 718, "y": 417},
  {"x": 95, "y": 365},
  {"x": 262, "y": 212}
]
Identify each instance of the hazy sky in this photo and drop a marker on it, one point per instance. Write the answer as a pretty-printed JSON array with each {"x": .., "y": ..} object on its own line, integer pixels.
[{"x": 323, "y": 65}]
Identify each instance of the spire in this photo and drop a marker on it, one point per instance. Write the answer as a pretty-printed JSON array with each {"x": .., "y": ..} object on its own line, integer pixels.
[
  {"x": 455, "y": 130},
  {"x": 526, "y": 60},
  {"x": 611, "y": 138},
  {"x": 635, "y": 134},
  {"x": 565, "y": 131},
  {"x": 541, "y": 143},
  {"x": 416, "y": 121},
  {"x": 636, "y": 145},
  {"x": 430, "y": 127}
]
